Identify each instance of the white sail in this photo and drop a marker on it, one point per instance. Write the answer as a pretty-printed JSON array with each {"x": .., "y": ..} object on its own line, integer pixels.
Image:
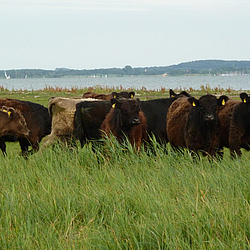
[{"x": 6, "y": 76}]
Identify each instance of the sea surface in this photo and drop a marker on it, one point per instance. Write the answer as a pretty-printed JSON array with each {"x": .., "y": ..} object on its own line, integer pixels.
[{"x": 239, "y": 82}]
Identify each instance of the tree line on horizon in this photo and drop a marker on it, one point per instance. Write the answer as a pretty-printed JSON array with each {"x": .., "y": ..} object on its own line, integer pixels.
[{"x": 201, "y": 67}]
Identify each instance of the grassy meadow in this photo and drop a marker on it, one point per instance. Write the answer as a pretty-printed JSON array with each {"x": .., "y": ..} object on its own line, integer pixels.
[{"x": 114, "y": 198}]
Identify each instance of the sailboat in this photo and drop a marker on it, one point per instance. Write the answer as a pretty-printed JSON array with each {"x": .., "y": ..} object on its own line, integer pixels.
[{"x": 6, "y": 76}]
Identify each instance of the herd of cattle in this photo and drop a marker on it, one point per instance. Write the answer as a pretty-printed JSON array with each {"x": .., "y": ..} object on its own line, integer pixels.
[{"x": 207, "y": 124}]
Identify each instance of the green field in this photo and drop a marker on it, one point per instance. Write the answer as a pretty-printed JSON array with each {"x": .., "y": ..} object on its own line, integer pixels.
[{"x": 113, "y": 198}]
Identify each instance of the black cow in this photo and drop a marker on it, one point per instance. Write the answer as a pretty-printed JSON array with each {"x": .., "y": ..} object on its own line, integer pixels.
[
  {"x": 239, "y": 132},
  {"x": 89, "y": 117},
  {"x": 38, "y": 122},
  {"x": 155, "y": 112},
  {"x": 194, "y": 124}
]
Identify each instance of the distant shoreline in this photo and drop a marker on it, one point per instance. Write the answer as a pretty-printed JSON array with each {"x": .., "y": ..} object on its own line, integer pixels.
[{"x": 200, "y": 67}]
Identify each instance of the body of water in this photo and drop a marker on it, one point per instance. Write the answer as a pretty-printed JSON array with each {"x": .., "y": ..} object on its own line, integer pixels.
[{"x": 136, "y": 82}]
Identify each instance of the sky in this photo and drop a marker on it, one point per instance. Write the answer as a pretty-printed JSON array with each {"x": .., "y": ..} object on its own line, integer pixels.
[{"x": 89, "y": 34}]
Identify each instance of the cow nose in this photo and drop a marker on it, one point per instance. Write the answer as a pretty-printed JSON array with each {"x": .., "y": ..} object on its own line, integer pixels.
[
  {"x": 209, "y": 118},
  {"x": 136, "y": 121}
]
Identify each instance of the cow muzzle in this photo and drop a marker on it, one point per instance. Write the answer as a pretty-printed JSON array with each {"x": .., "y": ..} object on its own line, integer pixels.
[
  {"x": 136, "y": 121},
  {"x": 210, "y": 118},
  {"x": 27, "y": 133}
]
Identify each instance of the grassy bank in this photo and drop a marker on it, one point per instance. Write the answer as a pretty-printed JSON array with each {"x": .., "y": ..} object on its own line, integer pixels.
[
  {"x": 42, "y": 96},
  {"x": 116, "y": 199}
]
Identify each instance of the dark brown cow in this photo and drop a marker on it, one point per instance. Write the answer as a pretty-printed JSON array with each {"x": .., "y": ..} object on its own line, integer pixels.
[
  {"x": 38, "y": 122},
  {"x": 194, "y": 124},
  {"x": 12, "y": 122},
  {"x": 126, "y": 119},
  {"x": 109, "y": 96},
  {"x": 239, "y": 133}
]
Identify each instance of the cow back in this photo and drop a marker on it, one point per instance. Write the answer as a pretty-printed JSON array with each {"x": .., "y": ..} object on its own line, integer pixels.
[{"x": 118, "y": 95}]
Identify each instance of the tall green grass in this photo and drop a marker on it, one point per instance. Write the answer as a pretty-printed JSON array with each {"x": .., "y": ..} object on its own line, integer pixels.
[{"x": 114, "y": 198}]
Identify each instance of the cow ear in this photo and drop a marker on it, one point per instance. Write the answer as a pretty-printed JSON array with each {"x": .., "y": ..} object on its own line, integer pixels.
[
  {"x": 7, "y": 110},
  {"x": 222, "y": 100},
  {"x": 4, "y": 109},
  {"x": 184, "y": 93},
  {"x": 114, "y": 94},
  {"x": 244, "y": 97},
  {"x": 194, "y": 102},
  {"x": 11, "y": 111},
  {"x": 172, "y": 93},
  {"x": 132, "y": 94},
  {"x": 114, "y": 103}
]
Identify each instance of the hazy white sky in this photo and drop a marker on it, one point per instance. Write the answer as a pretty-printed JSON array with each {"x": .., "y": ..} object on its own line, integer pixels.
[{"x": 88, "y": 34}]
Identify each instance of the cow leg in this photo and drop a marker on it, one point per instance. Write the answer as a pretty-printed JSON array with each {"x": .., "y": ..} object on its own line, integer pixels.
[
  {"x": 195, "y": 155},
  {"x": 220, "y": 153},
  {"x": 234, "y": 141},
  {"x": 3, "y": 148},
  {"x": 177, "y": 149},
  {"x": 24, "y": 144},
  {"x": 71, "y": 141},
  {"x": 214, "y": 152},
  {"x": 24, "y": 149}
]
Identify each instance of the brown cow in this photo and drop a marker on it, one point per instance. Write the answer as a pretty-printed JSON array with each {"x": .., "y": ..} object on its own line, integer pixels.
[
  {"x": 126, "y": 119},
  {"x": 194, "y": 124},
  {"x": 38, "y": 122},
  {"x": 225, "y": 114},
  {"x": 12, "y": 122},
  {"x": 122, "y": 94}
]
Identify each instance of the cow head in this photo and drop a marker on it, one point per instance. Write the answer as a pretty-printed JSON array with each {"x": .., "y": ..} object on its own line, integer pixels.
[
  {"x": 12, "y": 121},
  {"x": 244, "y": 97},
  {"x": 128, "y": 110},
  {"x": 182, "y": 93},
  {"x": 207, "y": 106},
  {"x": 123, "y": 94}
]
